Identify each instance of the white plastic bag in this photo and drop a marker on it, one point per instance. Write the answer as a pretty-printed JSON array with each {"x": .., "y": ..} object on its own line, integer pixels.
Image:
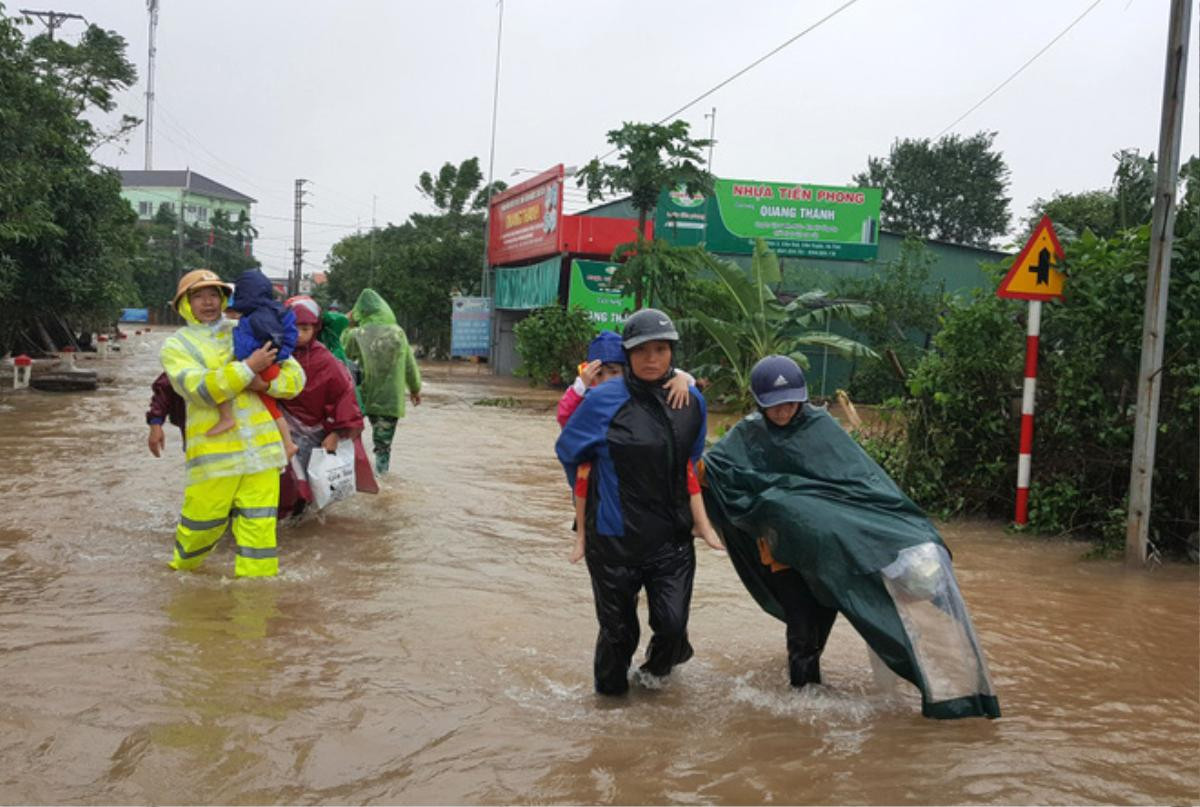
[{"x": 331, "y": 476}]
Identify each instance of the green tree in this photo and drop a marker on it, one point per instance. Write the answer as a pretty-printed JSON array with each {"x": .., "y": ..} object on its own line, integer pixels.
[
  {"x": 959, "y": 450},
  {"x": 761, "y": 325},
  {"x": 651, "y": 157},
  {"x": 953, "y": 189},
  {"x": 419, "y": 264},
  {"x": 66, "y": 235},
  {"x": 905, "y": 307}
]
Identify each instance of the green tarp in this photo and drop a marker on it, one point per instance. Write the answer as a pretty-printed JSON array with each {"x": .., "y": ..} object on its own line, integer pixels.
[
  {"x": 827, "y": 510},
  {"x": 528, "y": 287}
]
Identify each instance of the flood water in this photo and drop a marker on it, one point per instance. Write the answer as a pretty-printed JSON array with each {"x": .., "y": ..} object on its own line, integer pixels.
[{"x": 433, "y": 645}]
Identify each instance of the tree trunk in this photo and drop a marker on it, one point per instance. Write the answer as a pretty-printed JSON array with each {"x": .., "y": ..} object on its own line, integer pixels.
[{"x": 637, "y": 297}]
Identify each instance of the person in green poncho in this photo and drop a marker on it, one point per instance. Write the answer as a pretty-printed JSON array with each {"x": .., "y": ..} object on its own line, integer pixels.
[
  {"x": 389, "y": 369},
  {"x": 333, "y": 326},
  {"x": 815, "y": 528}
]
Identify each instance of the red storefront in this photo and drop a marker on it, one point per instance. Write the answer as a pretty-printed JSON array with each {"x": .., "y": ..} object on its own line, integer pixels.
[{"x": 530, "y": 248}]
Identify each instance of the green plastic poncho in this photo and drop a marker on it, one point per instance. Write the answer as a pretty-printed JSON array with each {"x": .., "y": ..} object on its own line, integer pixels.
[
  {"x": 381, "y": 349},
  {"x": 827, "y": 510},
  {"x": 333, "y": 325}
]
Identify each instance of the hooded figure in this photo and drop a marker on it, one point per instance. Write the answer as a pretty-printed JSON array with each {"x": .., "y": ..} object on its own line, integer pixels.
[
  {"x": 815, "y": 527},
  {"x": 233, "y": 476},
  {"x": 389, "y": 368},
  {"x": 326, "y": 406}
]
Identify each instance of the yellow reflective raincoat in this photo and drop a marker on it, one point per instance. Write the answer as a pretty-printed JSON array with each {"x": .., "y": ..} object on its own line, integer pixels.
[
  {"x": 233, "y": 476},
  {"x": 199, "y": 362}
]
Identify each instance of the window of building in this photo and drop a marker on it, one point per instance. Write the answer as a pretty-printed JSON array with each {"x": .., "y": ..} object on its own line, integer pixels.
[{"x": 145, "y": 209}]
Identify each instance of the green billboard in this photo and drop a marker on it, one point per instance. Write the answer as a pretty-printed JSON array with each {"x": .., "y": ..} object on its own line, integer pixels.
[
  {"x": 816, "y": 221},
  {"x": 591, "y": 291}
]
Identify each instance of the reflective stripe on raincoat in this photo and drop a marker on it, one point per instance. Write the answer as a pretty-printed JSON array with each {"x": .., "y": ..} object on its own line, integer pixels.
[
  {"x": 379, "y": 345},
  {"x": 198, "y": 360}
]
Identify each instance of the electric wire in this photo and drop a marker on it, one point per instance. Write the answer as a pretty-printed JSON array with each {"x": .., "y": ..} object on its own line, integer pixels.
[
  {"x": 1021, "y": 69},
  {"x": 750, "y": 66}
]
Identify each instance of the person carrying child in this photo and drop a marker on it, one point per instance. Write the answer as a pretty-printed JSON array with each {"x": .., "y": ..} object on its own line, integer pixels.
[
  {"x": 263, "y": 321},
  {"x": 639, "y": 525},
  {"x": 605, "y": 362},
  {"x": 233, "y": 476}
]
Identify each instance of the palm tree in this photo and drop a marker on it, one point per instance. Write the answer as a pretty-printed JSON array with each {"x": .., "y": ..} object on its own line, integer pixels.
[{"x": 761, "y": 325}]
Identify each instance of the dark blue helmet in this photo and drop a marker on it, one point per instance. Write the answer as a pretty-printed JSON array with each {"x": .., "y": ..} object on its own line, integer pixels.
[
  {"x": 777, "y": 380},
  {"x": 607, "y": 348}
]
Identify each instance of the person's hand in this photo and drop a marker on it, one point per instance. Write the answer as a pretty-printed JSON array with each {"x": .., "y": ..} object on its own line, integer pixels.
[
  {"x": 710, "y": 537},
  {"x": 263, "y": 357},
  {"x": 415, "y": 397},
  {"x": 589, "y": 372},
  {"x": 330, "y": 443},
  {"x": 677, "y": 391},
  {"x": 157, "y": 440},
  {"x": 257, "y": 384}
]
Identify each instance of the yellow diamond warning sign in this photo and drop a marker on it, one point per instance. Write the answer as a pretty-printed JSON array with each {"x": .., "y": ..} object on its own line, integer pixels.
[{"x": 1034, "y": 274}]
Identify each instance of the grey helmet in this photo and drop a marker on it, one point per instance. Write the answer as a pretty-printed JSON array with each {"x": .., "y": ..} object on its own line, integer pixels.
[{"x": 647, "y": 325}]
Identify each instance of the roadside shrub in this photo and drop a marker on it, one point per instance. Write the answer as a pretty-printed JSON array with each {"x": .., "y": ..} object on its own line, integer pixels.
[
  {"x": 959, "y": 454},
  {"x": 551, "y": 342}
]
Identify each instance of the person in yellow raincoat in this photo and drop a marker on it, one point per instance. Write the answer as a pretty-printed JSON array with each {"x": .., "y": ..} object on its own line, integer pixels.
[{"x": 233, "y": 476}]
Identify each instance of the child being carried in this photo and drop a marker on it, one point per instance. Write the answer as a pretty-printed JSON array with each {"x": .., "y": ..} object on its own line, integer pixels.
[{"x": 262, "y": 319}]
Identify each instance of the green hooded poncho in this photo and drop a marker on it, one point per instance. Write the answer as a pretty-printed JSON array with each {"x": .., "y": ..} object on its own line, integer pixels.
[
  {"x": 827, "y": 510},
  {"x": 333, "y": 325},
  {"x": 381, "y": 349}
]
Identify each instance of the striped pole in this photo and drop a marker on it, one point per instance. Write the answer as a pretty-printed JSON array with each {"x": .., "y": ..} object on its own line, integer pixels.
[{"x": 1025, "y": 458}]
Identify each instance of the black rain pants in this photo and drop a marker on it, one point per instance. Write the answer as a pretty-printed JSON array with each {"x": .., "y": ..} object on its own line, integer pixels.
[
  {"x": 668, "y": 582},
  {"x": 808, "y": 624}
]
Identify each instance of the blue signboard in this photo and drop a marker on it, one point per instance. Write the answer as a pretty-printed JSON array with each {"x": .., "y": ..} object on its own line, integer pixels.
[
  {"x": 470, "y": 326},
  {"x": 135, "y": 315}
]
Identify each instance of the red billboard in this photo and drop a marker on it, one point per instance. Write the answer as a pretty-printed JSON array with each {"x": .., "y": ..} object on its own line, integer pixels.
[{"x": 524, "y": 221}]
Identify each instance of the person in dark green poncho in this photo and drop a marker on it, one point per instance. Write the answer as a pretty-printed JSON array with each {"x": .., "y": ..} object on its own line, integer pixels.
[
  {"x": 389, "y": 368},
  {"x": 814, "y": 528},
  {"x": 333, "y": 325}
]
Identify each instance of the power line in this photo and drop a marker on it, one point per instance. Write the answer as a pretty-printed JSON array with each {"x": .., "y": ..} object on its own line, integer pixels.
[
  {"x": 752, "y": 65},
  {"x": 1020, "y": 69}
]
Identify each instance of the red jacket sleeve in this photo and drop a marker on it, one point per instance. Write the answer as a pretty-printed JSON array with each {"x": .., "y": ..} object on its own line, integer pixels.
[
  {"x": 581, "y": 480},
  {"x": 693, "y": 481}
]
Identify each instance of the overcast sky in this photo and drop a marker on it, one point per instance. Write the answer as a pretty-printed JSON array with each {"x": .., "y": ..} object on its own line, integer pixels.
[{"x": 360, "y": 96}]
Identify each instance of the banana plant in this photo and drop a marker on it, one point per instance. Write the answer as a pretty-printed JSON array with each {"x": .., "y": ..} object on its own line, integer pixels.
[{"x": 763, "y": 325}]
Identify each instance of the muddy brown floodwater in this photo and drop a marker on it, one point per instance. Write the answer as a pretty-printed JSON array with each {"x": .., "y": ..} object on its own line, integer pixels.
[{"x": 432, "y": 645}]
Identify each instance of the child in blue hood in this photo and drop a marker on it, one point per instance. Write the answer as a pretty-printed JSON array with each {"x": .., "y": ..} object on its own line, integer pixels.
[{"x": 262, "y": 319}]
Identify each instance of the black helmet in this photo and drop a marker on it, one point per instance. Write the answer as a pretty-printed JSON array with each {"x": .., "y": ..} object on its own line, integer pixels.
[
  {"x": 777, "y": 380},
  {"x": 647, "y": 325}
]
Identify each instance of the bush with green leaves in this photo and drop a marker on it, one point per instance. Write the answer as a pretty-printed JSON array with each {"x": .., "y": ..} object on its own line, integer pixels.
[
  {"x": 747, "y": 322},
  {"x": 905, "y": 306},
  {"x": 551, "y": 342},
  {"x": 959, "y": 454}
]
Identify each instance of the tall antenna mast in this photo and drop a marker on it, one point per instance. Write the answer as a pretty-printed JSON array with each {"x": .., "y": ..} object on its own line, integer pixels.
[{"x": 152, "y": 7}]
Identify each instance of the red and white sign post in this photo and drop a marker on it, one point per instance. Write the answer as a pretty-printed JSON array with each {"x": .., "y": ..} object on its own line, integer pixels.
[{"x": 1034, "y": 276}]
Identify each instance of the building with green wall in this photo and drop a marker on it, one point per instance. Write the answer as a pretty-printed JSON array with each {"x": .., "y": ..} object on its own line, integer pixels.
[{"x": 195, "y": 194}]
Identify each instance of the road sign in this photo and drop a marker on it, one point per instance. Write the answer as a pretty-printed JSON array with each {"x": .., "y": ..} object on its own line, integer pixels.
[{"x": 1034, "y": 274}]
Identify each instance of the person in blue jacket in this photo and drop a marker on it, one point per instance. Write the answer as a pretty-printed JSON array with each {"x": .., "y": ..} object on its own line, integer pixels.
[{"x": 638, "y": 520}]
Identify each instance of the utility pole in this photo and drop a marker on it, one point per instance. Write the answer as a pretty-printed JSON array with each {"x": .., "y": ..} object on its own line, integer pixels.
[
  {"x": 712, "y": 135},
  {"x": 1154, "y": 324},
  {"x": 371, "y": 275},
  {"x": 152, "y": 6},
  {"x": 180, "y": 223},
  {"x": 297, "y": 251},
  {"x": 52, "y": 19},
  {"x": 487, "y": 209}
]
